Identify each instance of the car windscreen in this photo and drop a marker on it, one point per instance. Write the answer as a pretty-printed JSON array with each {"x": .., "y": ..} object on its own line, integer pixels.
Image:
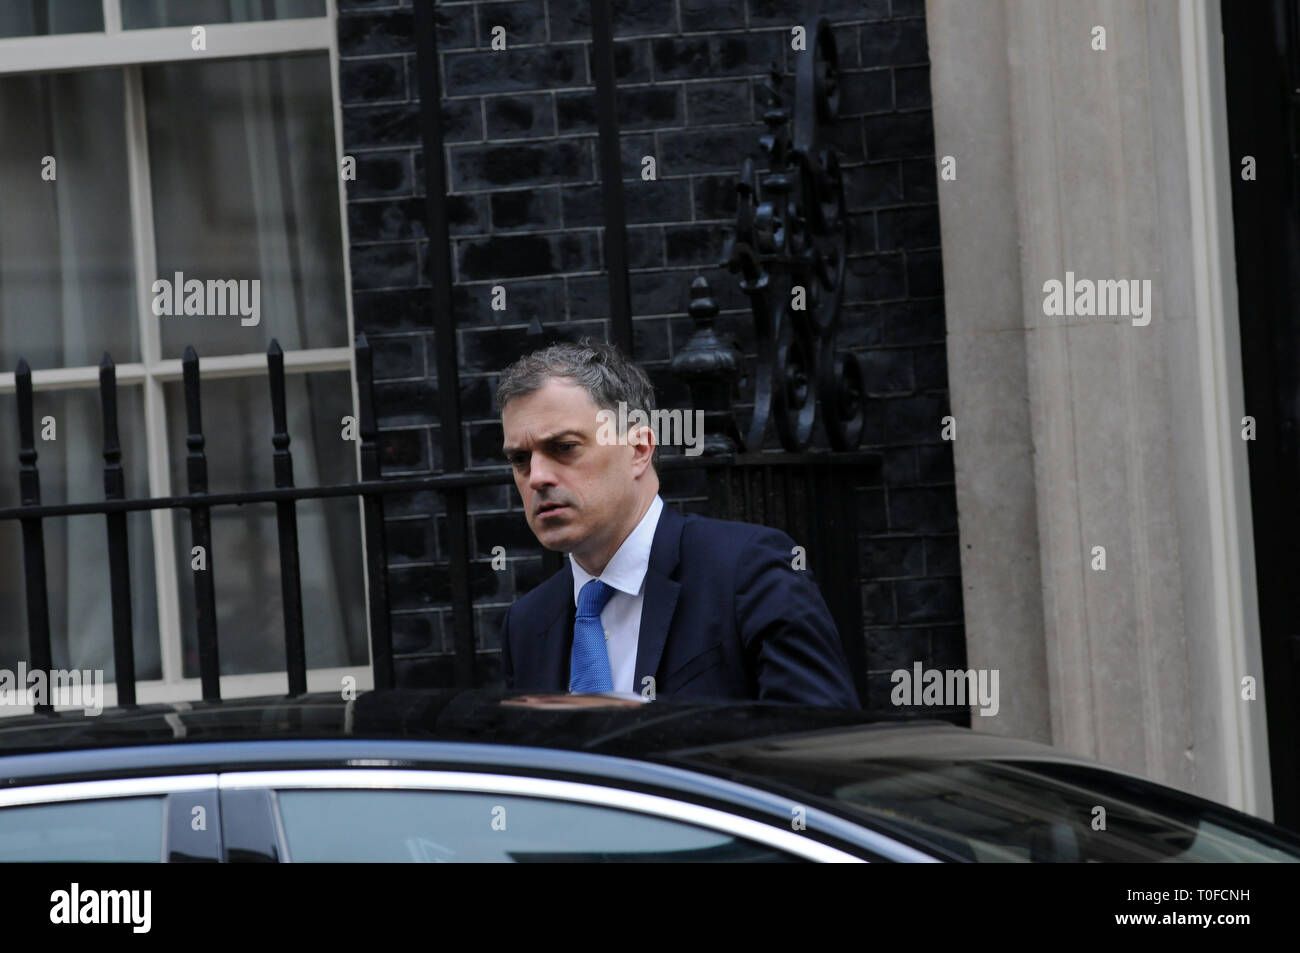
[{"x": 1026, "y": 810}]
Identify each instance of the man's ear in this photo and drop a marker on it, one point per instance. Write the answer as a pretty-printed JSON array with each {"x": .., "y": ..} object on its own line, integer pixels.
[{"x": 642, "y": 441}]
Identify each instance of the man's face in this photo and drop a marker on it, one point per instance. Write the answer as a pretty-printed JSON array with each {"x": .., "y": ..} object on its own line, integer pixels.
[{"x": 577, "y": 493}]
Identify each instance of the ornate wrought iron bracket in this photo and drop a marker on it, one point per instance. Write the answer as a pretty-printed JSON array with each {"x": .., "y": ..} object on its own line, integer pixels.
[{"x": 790, "y": 248}]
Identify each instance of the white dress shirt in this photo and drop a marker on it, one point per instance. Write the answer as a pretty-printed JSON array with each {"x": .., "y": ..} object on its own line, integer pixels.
[{"x": 621, "y": 617}]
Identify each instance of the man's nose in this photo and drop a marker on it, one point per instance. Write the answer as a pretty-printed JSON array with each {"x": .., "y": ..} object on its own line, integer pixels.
[{"x": 540, "y": 473}]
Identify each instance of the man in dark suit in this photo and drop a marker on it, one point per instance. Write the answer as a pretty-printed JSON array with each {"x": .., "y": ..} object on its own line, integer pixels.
[{"x": 649, "y": 601}]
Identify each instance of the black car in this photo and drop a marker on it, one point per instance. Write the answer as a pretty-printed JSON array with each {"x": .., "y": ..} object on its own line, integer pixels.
[{"x": 475, "y": 775}]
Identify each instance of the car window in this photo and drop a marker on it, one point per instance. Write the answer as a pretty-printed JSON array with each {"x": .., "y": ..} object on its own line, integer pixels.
[
  {"x": 1046, "y": 812},
  {"x": 455, "y": 826},
  {"x": 128, "y": 829},
  {"x": 1008, "y": 809}
]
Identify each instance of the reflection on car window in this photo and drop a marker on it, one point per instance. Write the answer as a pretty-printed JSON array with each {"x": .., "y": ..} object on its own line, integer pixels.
[
  {"x": 126, "y": 830},
  {"x": 451, "y": 827},
  {"x": 1048, "y": 812},
  {"x": 1003, "y": 808}
]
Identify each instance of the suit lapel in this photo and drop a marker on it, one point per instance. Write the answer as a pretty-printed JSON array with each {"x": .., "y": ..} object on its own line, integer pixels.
[
  {"x": 661, "y": 592},
  {"x": 550, "y": 644},
  {"x": 559, "y": 647}
]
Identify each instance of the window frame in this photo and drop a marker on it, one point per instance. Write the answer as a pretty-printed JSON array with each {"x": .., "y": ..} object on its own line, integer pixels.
[
  {"x": 129, "y": 51},
  {"x": 415, "y": 779}
]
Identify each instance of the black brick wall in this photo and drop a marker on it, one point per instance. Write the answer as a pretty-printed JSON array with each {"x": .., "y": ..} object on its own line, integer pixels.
[{"x": 524, "y": 204}]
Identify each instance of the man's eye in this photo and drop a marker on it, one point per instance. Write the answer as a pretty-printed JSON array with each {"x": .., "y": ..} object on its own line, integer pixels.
[
  {"x": 565, "y": 447},
  {"x": 516, "y": 459}
]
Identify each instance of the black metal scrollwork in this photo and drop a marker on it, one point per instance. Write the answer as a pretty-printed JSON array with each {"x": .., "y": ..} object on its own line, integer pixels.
[{"x": 790, "y": 248}]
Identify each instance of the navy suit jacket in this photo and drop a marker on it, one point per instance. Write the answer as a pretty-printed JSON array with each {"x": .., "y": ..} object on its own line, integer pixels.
[{"x": 725, "y": 616}]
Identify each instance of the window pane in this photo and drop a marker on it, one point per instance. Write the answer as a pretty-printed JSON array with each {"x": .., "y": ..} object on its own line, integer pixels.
[
  {"x": 245, "y": 187},
  {"x": 45, "y": 17},
  {"x": 76, "y": 547},
  {"x": 121, "y": 830},
  {"x": 457, "y": 827},
  {"x": 245, "y": 556},
  {"x": 153, "y": 13},
  {"x": 67, "y": 286}
]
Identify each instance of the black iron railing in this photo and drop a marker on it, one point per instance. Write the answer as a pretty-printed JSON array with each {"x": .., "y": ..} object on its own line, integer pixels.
[{"x": 199, "y": 501}]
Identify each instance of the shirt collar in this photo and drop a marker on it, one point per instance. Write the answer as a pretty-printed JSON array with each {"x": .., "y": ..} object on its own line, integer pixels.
[{"x": 627, "y": 567}]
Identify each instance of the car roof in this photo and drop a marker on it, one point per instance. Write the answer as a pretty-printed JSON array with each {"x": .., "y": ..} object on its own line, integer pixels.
[
  {"x": 613, "y": 725},
  {"x": 588, "y": 723}
]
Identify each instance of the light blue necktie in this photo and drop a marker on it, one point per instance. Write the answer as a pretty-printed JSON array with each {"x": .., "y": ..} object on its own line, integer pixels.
[{"x": 589, "y": 664}]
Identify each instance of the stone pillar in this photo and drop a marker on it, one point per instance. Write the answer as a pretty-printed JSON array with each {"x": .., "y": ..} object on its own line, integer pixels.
[{"x": 1075, "y": 432}]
